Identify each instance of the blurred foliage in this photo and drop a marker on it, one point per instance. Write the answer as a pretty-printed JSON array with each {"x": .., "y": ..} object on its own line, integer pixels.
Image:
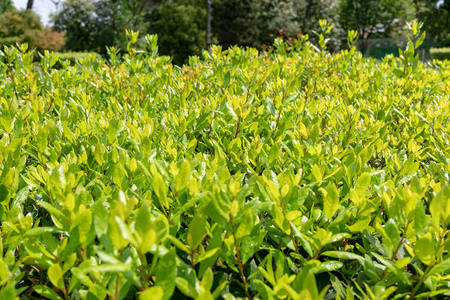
[
  {"x": 436, "y": 17},
  {"x": 180, "y": 24},
  {"x": 25, "y": 27},
  {"x": 314, "y": 11},
  {"x": 235, "y": 22},
  {"x": 375, "y": 18},
  {"x": 50, "y": 40},
  {"x": 5, "y": 6},
  {"x": 440, "y": 53},
  {"x": 86, "y": 25},
  {"x": 19, "y": 27},
  {"x": 181, "y": 28},
  {"x": 258, "y": 23},
  {"x": 71, "y": 58}
]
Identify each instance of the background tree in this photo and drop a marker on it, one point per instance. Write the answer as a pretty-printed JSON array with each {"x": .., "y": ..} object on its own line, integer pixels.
[
  {"x": 208, "y": 25},
  {"x": 294, "y": 16},
  {"x": 20, "y": 27},
  {"x": 375, "y": 18},
  {"x": 180, "y": 26},
  {"x": 90, "y": 25},
  {"x": 5, "y": 6},
  {"x": 25, "y": 27},
  {"x": 234, "y": 22},
  {"x": 257, "y": 22},
  {"x": 30, "y": 4},
  {"x": 436, "y": 18},
  {"x": 77, "y": 22},
  {"x": 311, "y": 11}
]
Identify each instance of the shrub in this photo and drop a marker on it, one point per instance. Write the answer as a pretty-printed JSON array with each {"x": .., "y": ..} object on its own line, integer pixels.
[
  {"x": 440, "y": 53},
  {"x": 289, "y": 174},
  {"x": 73, "y": 57},
  {"x": 51, "y": 40}
]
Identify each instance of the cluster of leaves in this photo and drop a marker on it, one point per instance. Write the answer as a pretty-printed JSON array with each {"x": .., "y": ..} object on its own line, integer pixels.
[{"x": 286, "y": 174}]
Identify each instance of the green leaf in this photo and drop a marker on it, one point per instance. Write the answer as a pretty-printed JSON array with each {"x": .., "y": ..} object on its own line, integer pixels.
[
  {"x": 96, "y": 292},
  {"x": 56, "y": 276},
  {"x": 41, "y": 139},
  {"x": 362, "y": 183},
  {"x": 180, "y": 245},
  {"x": 328, "y": 266},
  {"x": 274, "y": 154},
  {"x": 304, "y": 241},
  {"x": 305, "y": 280},
  {"x": 166, "y": 274},
  {"x": 84, "y": 221},
  {"x": 420, "y": 220},
  {"x": 265, "y": 291},
  {"x": 183, "y": 176},
  {"x": 8, "y": 292},
  {"x": 112, "y": 130},
  {"x": 98, "y": 153},
  {"x": 208, "y": 279},
  {"x": 115, "y": 234},
  {"x": 424, "y": 249},
  {"x": 81, "y": 276},
  {"x": 344, "y": 255},
  {"x": 215, "y": 210},
  {"x": 392, "y": 231},
  {"x": 40, "y": 230},
  {"x": 251, "y": 243},
  {"x": 213, "y": 250},
  {"x": 442, "y": 267},
  {"x": 226, "y": 79},
  {"x": 4, "y": 194},
  {"x": 399, "y": 273},
  {"x": 143, "y": 220},
  {"x": 46, "y": 292},
  {"x": 316, "y": 173},
  {"x": 197, "y": 229},
  {"x": 161, "y": 226},
  {"x": 271, "y": 107},
  {"x": 437, "y": 209},
  {"x": 100, "y": 219},
  {"x": 186, "y": 287},
  {"x": 152, "y": 293},
  {"x": 331, "y": 201},
  {"x": 433, "y": 294},
  {"x": 159, "y": 187},
  {"x": 245, "y": 225}
]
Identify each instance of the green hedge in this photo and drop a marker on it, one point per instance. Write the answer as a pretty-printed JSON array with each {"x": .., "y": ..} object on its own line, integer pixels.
[
  {"x": 289, "y": 174},
  {"x": 72, "y": 57},
  {"x": 440, "y": 53}
]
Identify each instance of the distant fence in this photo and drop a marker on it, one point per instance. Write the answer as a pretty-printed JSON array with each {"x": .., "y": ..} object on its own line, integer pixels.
[{"x": 379, "y": 48}]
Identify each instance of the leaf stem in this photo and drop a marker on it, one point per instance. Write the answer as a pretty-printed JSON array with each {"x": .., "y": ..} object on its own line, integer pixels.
[
  {"x": 239, "y": 260},
  {"x": 116, "y": 292}
]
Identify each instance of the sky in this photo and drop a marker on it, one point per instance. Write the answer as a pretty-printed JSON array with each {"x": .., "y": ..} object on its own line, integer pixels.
[{"x": 42, "y": 7}]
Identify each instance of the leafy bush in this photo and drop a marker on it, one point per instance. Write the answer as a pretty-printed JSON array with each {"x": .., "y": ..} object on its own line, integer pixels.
[
  {"x": 440, "y": 53},
  {"x": 71, "y": 58},
  {"x": 51, "y": 40},
  {"x": 286, "y": 174}
]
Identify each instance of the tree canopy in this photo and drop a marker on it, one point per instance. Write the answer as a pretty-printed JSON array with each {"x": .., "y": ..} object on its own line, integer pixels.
[{"x": 92, "y": 25}]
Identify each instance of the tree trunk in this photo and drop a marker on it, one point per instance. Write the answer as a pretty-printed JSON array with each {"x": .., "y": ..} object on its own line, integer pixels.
[
  {"x": 30, "y": 4},
  {"x": 208, "y": 25},
  {"x": 307, "y": 14}
]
